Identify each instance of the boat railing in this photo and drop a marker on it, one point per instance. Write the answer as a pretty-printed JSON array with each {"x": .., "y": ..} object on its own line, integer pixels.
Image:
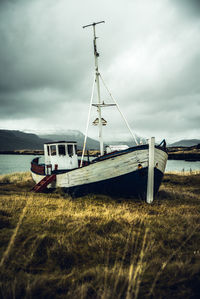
[{"x": 37, "y": 168}]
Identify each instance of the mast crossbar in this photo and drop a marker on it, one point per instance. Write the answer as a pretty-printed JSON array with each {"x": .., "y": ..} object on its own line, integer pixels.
[
  {"x": 103, "y": 105},
  {"x": 93, "y": 24}
]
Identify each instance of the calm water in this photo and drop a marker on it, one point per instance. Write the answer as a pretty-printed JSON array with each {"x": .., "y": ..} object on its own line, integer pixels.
[
  {"x": 181, "y": 165},
  {"x": 21, "y": 163},
  {"x": 15, "y": 163}
]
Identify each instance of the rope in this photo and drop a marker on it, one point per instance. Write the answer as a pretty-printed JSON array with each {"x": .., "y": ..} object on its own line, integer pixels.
[
  {"x": 133, "y": 135},
  {"x": 86, "y": 131}
]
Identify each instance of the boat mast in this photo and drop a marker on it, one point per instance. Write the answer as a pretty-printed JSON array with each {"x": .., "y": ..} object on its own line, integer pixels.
[{"x": 97, "y": 74}]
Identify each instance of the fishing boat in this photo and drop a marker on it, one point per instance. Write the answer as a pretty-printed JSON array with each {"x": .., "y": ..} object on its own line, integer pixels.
[{"x": 117, "y": 171}]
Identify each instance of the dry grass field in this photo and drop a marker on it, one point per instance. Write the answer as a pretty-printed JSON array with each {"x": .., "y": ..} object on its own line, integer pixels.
[{"x": 54, "y": 246}]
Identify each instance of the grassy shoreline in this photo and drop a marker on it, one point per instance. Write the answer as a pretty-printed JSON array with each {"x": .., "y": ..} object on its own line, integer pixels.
[{"x": 53, "y": 246}]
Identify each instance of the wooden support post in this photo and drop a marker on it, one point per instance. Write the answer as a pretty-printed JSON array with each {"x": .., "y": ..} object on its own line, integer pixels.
[{"x": 150, "y": 180}]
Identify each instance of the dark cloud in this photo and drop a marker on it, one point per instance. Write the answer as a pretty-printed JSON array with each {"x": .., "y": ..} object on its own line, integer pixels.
[
  {"x": 188, "y": 7},
  {"x": 149, "y": 57},
  {"x": 33, "y": 53},
  {"x": 29, "y": 104}
]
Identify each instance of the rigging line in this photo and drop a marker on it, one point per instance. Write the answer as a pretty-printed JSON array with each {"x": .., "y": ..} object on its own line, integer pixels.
[
  {"x": 86, "y": 131},
  {"x": 133, "y": 135}
]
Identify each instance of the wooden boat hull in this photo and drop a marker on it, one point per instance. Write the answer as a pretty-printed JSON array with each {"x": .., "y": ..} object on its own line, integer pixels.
[
  {"x": 129, "y": 185},
  {"x": 120, "y": 174}
]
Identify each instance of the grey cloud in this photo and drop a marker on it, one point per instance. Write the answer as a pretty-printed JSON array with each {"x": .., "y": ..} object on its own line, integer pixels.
[
  {"x": 149, "y": 57},
  {"x": 189, "y": 8},
  {"x": 32, "y": 55}
]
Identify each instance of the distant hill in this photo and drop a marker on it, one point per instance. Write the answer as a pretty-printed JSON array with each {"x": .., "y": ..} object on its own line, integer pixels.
[
  {"x": 72, "y": 135},
  {"x": 17, "y": 140},
  {"x": 75, "y": 135},
  {"x": 186, "y": 142},
  {"x": 11, "y": 140},
  {"x": 130, "y": 142}
]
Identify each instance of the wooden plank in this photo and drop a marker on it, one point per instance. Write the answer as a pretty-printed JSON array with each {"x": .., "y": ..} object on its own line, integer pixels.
[
  {"x": 107, "y": 169},
  {"x": 150, "y": 180}
]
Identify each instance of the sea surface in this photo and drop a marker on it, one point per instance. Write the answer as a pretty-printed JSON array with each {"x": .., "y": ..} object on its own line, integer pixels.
[
  {"x": 15, "y": 163},
  {"x": 21, "y": 163}
]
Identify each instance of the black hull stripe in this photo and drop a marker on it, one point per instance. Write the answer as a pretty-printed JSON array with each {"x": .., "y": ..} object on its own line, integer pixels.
[{"x": 130, "y": 185}]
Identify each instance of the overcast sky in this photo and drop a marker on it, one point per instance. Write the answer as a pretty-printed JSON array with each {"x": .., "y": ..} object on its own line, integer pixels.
[{"x": 149, "y": 59}]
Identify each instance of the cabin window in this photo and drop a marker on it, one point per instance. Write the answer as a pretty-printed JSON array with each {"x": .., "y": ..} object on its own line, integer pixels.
[
  {"x": 48, "y": 150},
  {"x": 70, "y": 149},
  {"x": 75, "y": 149},
  {"x": 61, "y": 150},
  {"x": 53, "y": 150}
]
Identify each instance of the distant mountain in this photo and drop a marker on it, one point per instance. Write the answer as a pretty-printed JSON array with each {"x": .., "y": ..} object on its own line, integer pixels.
[
  {"x": 75, "y": 135},
  {"x": 186, "y": 142},
  {"x": 72, "y": 135},
  {"x": 11, "y": 140},
  {"x": 17, "y": 140},
  {"x": 130, "y": 142}
]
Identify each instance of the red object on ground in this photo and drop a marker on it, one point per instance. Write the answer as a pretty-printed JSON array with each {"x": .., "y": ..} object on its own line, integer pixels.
[{"x": 44, "y": 183}]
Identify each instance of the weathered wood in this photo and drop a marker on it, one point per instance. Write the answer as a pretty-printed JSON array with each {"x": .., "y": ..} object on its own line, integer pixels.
[
  {"x": 45, "y": 181},
  {"x": 112, "y": 169},
  {"x": 150, "y": 180}
]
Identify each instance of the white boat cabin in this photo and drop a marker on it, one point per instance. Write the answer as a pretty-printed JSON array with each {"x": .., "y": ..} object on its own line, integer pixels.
[{"x": 60, "y": 155}]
